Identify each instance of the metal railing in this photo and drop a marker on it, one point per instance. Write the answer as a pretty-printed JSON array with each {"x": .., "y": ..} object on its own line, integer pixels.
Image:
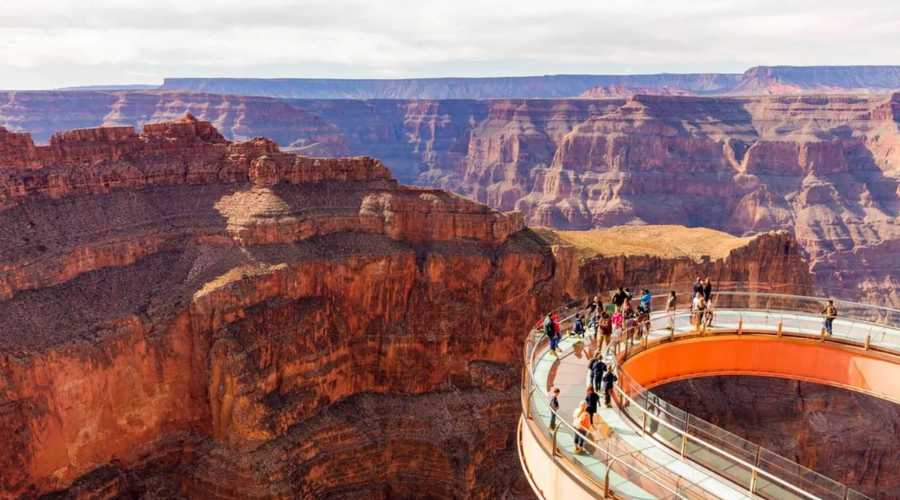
[
  {"x": 759, "y": 471},
  {"x": 621, "y": 463}
]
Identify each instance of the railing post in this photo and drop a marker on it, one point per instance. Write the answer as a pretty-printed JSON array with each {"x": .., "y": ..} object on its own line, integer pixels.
[
  {"x": 528, "y": 408},
  {"x": 606, "y": 481},
  {"x": 868, "y": 339},
  {"x": 683, "y": 444},
  {"x": 780, "y": 326},
  {"x": 752, "y": 482},
  {"x": 644, "y": 422},
  {"x": 740, "y": 324}
]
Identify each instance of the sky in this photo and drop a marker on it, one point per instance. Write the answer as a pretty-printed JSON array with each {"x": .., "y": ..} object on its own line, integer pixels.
[{"x": 57, "y": 43}]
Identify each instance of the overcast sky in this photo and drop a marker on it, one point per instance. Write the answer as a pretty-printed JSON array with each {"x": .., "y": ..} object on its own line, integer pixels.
[{"x": 55, "y": 43}]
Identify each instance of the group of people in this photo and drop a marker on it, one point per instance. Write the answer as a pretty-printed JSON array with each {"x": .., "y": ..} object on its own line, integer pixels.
[
  {"x": 701, "y": 303},
  {"x": 600, "y": 323}
]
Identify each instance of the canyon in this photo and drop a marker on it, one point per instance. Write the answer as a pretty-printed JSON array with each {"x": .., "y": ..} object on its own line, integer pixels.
[
  {"x": 845, "y": 435},
  {"x": 187, "y": 315},
  {"x": 824, "y": 167}
]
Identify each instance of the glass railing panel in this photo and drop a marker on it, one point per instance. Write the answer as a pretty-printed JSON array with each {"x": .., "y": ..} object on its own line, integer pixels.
[
  {"x": 771, "y": 489},
  {"x": 719, "y": 463}
]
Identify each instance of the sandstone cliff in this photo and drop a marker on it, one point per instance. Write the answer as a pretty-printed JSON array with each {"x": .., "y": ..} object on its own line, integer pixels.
[
  {"x": 188, "y": 316},
  {"x": 823, "y": 167}
]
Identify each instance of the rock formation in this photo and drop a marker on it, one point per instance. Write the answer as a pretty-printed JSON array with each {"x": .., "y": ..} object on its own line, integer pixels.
[
  {"x": 823, "y": 167},
  {"x": 189, "y": 316},
  {"x": 845, "y": 435}
]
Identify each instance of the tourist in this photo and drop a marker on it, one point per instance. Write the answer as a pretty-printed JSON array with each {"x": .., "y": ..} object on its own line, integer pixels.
[
  {"x": 708, "y": 314},
  {"x": 592, "y": 399},
  {"x": 697, "y": 289},
  {"x": 554, "y": 406},
  {"x": 578, "y": 328},
  {"x": 606, "y": 328},
  {"x": 581, "y": 422},
  {"x": 707, "y": 289},
  {"x": 830, "y": 312},
  {"x": 557, "y": 334},
  {"x": 548, "y": 331},
  {"x": 670, "y": 309},
  {"x": 594, "y": 306},
  {"x": 618, "y": 298},
  {"x": 608, "y": 380},
  {"x": 596, "y": 368},
  {"x": 646, "y": 298},
  {"x": 697, "y": 307},
  {"x": 618, "y": 320},
  {"x": 643, "y": 322}
]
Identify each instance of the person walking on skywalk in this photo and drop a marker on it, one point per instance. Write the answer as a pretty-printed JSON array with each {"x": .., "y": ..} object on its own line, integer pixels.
[
  {"x": 830, "y": 312},
  {"x": 596, "y": 368},
  {"x": 608, "y": 380}
]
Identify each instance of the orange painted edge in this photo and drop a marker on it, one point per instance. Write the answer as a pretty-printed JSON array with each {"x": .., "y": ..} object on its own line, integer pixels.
[{"x": 839, "y": 365}]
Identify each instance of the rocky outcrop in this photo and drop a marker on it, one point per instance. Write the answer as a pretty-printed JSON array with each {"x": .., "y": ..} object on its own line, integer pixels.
[
  {"x": 186, "y": 316},
  {"x": 671, "y": 257},
  {"x": 845, "y": 435}
]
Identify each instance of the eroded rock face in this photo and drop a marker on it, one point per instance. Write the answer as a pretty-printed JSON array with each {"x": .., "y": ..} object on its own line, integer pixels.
[
  {"x": 823, "y": 167},
  {"x": 187, "y": 316},
  {"x": 845, "y": 435}
]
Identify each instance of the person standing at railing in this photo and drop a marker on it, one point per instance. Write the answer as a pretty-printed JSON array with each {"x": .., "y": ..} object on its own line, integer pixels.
[
  {"x": 554, "y": 405},
  {"x": 578, "y": 328},
  {"x": 646, "y": 298},
  {"x": 581, "y": 420},
  {"x": 550, "y": 332},
  {"x": 707, "y": 289},
  {"x": 619, "y": 298},
  {"x": 608, "y": 381},
  {"x": 605, "y": 328},
  {"x": 592, "y": 400},
  {"x": 698, "y": 306},
  {"x": 697, "y": 288},
  {"x": 830, "y": 312},
  {"x": 670, "y": 309}
]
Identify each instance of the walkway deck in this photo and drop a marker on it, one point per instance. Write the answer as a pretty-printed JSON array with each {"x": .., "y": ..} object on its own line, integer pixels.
[{"x": 620, "y": 436}]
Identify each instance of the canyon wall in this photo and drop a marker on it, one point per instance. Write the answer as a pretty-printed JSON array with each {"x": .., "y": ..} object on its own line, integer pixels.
[
  {"x": 189, "y": 316},
  {"x": 823, "y": 167},
  {"x": 848, "y": 436}
]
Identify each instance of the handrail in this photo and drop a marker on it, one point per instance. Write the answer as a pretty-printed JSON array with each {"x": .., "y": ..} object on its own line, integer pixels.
[
  {"x": 561, "y": 420},
  {"x": 716, "y": 449},
  {"x": 886, "y": 322}
]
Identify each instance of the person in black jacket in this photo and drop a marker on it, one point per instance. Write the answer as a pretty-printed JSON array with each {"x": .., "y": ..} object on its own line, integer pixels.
[
  {"x": 608, "y": 380},
  {"x": 592, "y": 400},
  {"x": 554, "y": 405},
  {"x": 697, "y": 288},
  {"x": 707, "y": 289},
  {"x": 597, "y": 367}
]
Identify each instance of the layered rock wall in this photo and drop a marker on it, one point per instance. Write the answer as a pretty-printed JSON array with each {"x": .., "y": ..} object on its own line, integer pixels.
[{"x": 190, "y": 317}]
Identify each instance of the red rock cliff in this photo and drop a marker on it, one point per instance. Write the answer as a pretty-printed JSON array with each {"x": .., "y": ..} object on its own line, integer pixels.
[
  {"x": 186, "y": 316},
  {"x": 822, "y": 167}
]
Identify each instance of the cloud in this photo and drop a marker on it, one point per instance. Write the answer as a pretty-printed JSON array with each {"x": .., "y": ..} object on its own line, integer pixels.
[{"x": 45, "y": 44}]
